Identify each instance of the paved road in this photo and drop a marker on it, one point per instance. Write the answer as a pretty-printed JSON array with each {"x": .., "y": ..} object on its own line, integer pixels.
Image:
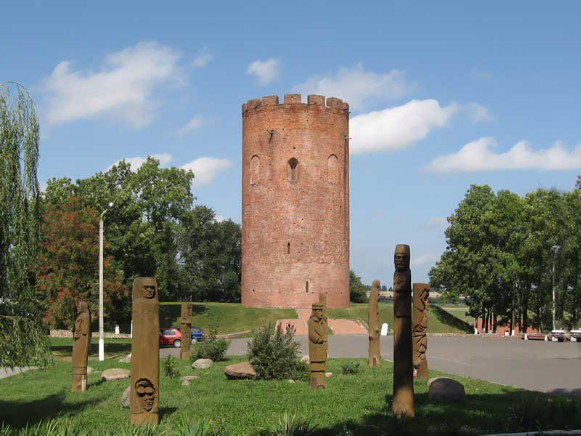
[{"x": 553, "y": 367}]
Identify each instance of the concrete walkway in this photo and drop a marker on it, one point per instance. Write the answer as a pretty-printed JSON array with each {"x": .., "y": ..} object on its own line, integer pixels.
[
  {"x": 338, "y": 326},
  {"x": 8, "y": 372},
  {"x": 553, "y": 367}
]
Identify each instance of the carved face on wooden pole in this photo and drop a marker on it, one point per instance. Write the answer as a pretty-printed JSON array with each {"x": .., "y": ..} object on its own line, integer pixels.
[
  {"x": 146, "y": 287},
  {"x": 401, "y": 257},
  {"x": 145, "y": 393}
]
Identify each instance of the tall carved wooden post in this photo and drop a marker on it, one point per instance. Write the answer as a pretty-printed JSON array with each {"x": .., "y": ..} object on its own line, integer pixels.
[
  {"x": 318, "y": 347},
  {"x": 420, "y": 322},
  {"x": 323, "y": 301},
  {"x": 145, "y": 352},
  {"x": 186, "y": 329},
  {"x": 81, "y": 347},
  {"x": 373, "y": 325},
  {"x": 403, "y": 376}
]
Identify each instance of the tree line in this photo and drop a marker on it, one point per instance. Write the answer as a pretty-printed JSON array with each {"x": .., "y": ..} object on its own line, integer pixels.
[
  {"x": 507, "y": 253},
  {"x": 152, "y": 229}
]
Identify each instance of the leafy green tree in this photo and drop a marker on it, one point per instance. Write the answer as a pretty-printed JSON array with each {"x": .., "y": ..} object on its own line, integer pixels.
[
  {"x": 22, "y": 341},
  {"x": 357, "y": 290},
  {"x": 209, "y": 258},
  {"x": 67, "y": 266}
]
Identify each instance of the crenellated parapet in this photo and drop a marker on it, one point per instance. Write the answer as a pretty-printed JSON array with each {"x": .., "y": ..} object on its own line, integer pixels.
[{"x": 331, "y": 103}]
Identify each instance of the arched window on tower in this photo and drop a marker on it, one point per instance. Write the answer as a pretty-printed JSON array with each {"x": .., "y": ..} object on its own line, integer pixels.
[
  {"x": 254, "y": 170},
  {"x": 332, "y": 170},
  {"x": 293, "y": 168}
]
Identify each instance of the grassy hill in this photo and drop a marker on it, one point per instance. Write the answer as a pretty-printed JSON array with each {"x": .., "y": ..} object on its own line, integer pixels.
[
  {"x": 226, "y": 317},
  {"x": 234, "y": 318},
  {"x": 439, "y": 320}
]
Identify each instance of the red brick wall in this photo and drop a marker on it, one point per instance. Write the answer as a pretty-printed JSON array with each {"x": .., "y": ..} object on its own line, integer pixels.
[{"x": 295, "y": 224}]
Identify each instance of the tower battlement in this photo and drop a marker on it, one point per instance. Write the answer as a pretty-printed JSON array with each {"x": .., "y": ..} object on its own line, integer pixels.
[{"x": 332, "y": 103}]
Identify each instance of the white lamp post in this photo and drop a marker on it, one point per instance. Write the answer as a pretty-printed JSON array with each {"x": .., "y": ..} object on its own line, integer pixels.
[
  {"x": 555, "y": 249},
  {"x": 101, "y": 335}
]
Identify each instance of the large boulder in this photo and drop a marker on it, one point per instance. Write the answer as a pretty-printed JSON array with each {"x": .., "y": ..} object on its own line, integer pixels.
[
  {"x": 240, "y": 371},
  {"x": 445, "y": 389},
  {"x": 126, "y": 359},
  {"x": 112, "y": 374},
  {"x": 202, "y": 364},
  {"x": 126, "y": 397}
]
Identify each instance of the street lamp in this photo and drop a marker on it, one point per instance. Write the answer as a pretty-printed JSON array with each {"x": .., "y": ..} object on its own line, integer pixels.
[
  {"x": 555, "y": 249},
  {"x": 101, "y": 335}
]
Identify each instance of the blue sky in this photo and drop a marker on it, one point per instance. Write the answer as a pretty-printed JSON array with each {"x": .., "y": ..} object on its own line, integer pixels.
[{"x": 443, "y": 95}]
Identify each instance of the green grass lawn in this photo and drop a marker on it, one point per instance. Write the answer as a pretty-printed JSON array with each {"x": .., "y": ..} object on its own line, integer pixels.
[
  {"x": 226, "y": 317},
  {"x": 439, "y": 320},
  {"x": 62, "y": 348},
  {"x": 358, "y": 403}
]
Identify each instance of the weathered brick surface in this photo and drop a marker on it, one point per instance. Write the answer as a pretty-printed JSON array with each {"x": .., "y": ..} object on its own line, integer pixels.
[{"x": 295, "y": 227}]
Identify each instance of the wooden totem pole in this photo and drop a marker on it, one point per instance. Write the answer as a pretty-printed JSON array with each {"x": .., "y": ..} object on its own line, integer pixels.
[
  {"x": 186, "y": 329},
  {"x": 81, "y": 347},
  {"x": 144, "y": 397},
  {"x": 318, "y": 347},
  {"x": 373, "y": 325},
  {"x": 403, "y": 370},
  {"x": 420, "y": 322}
]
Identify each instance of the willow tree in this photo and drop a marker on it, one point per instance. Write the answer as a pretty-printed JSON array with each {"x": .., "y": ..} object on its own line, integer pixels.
[{"x": 22, "y": 341}]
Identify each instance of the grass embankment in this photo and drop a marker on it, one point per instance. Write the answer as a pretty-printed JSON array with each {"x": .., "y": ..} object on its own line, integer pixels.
[
  {"x": 357, "y": 402},
  {"x": 439, "y": 320},
  {"x": 62, "y": 348},
  {"x": 226, "y": 317}
]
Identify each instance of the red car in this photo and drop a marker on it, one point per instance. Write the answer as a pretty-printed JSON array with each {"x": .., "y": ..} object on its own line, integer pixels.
[{"x": 170, "y": 337}]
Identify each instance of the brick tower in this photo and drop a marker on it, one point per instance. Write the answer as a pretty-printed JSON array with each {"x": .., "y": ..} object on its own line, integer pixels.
[{"x": 295, "y": 202}]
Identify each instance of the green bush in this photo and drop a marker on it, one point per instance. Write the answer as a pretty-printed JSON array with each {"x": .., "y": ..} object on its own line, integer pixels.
[
  {"x": 169, "y": 368},
  {"x": 290, "y": 425},
  {"x": 349, "y": 368},
  {"x": 274, "y": 355},
  {"x": 213, "y": 347}
]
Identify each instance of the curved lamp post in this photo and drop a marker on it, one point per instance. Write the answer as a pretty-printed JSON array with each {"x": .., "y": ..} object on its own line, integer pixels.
[{"x": 101, "y": 335}]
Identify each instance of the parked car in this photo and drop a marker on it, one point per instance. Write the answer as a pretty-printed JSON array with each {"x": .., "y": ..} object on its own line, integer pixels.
[
  {"x": 197, "y": 334},
  {"x": 174, "y": 336},
  {"x": 576, "y": 335},
  {"x": 170, "y": 337},
  {"x": 559, "y": 335}
]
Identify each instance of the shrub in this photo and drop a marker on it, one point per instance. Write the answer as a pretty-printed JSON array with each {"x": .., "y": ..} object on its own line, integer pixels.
[
  {"x": 274, "y": 355},
  {"x": 169, "y": 367},
  {"x": 213, "y": 347},
  {"x": 290, "y": 425},
  {"x": 350, "y": 368}
]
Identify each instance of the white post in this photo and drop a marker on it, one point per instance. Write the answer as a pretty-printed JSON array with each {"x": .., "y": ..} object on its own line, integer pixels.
[
  {"x": 555, "y": 248},
  {"x": 101, "y": 336}
]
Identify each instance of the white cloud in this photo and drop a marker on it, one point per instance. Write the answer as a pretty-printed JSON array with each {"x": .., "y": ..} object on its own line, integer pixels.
[
  {"x": 438, "y": 222},
  {"x": 478, "y": 156},
  {"x": 356, "y": 86},
  {"x": 206, "y": 169},
  {"x": 397, "y": 127},
  {"x": 203, "y": 58},
  {"x": 477, "y": 112},
  {"x": 136, "y": 162},
  {"x": 196, "y": 122},
  {"x": 123, "y": 87},
  {"x": 424, "y": 259},
  {"x": 220, "y": 218},
  {"x": 265, "y": 71}
]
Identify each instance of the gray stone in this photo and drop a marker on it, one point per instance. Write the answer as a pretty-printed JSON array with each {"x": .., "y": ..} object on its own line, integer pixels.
[
  {"x": 328, "y": 374},
  {"x": 186, "y": 379},
  {"x": 126, "y": 397},
  {"x": 202, "y": 364},
  {"x": 290, "y": 380},
  {"x": 445, "y": 389},
  {"x": 240, "y": 371},
  {"x": 305, "y": 359},
  {"x": 126, "y": 359},
  {"x": 90, "y": 370},
  {"x": 112, "y": 374}
]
